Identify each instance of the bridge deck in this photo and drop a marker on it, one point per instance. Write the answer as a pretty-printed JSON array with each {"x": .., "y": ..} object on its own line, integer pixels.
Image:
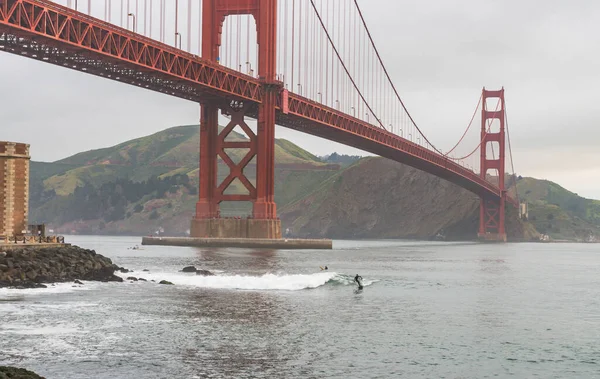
[{"x": 46, "y": 31}]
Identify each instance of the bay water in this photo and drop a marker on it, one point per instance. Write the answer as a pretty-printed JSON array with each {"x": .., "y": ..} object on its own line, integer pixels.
[{"x": 428, "y": 310}]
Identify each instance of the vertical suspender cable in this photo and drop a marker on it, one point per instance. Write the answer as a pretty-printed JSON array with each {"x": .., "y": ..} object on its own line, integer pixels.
[
  {"x": 326, "y": 95},
  {"x": 390, "y": 81},
  {"x": 238, "y": 43},
  {"x": 189, "y": 27},
  {"x": 136, "y": 15},
  {"x": 248, "y": 21},
  {"x": 150, "y": 19},
  {"x": 285, "y": 45},
  {"x": 293, "y": 41},
  {"x": 306, "y": 53},
  {"x": 177, "y": 23},
  {"x": 300, "y": 48},
  {"x": 200, "y": 28},
  {"x": 161, "y": 21},
  {"x": 339, "y": 57}
]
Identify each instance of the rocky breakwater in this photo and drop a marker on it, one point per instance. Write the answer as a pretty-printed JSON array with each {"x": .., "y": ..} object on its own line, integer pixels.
[
  {"x": 31, "y": 267},
  {"x": 17, "y": 373}
]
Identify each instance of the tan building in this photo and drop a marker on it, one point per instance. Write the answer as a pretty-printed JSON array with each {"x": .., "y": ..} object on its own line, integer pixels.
[{"x": 14, "y": 188}]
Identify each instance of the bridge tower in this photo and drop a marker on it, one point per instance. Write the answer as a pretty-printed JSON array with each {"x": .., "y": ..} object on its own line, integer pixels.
[
  {"x": 213, "y": 144},
  {"x": 491, "y": 210}
]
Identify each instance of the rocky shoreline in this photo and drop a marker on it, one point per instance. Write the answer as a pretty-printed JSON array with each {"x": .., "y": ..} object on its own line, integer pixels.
[
  {"x": 31, "y": 267},
  {"x": 7, "y": 372}
]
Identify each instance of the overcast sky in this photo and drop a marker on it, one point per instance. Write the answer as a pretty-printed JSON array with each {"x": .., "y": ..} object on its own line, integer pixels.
[{"x": 439, "y": 53}]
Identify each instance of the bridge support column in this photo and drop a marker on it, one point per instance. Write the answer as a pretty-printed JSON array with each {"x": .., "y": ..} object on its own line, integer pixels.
[
  {"x": 491, "y": 211},
  {"x": 207, "y": 205},
  {"x": 264, "y": 208},
  {"x": 264, "y": 222}
]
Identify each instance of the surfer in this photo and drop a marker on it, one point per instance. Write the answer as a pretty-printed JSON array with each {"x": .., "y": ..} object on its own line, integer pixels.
[
  {"x": 358, "y": 279},
  {"x": 323, "y": 268}
]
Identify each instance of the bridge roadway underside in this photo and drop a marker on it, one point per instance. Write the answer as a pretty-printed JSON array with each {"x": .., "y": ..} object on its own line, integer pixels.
[
  {"x": 372, "y": 146},
  {"x": 47, "y": 50},
  {"x": 303, "y": 114},
  {"x": 74, "y": 57}
]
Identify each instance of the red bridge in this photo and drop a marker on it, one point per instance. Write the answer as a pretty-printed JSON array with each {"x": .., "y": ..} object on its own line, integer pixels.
[{"x": 318, "y": 72}]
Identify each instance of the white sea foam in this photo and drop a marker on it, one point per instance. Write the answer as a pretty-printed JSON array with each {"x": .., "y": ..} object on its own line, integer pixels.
[
  {"x": 269, "y": 281},
  {"x": 16, "y": 294}
]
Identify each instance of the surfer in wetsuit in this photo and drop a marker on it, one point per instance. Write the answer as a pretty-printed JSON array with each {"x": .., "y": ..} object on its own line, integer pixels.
[
  {"x": 323, "y": 268},
  {"x": 358, "y": 279}
]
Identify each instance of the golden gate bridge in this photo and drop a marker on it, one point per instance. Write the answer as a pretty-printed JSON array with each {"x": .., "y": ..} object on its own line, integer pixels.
[{"x": 307, "y": 65}]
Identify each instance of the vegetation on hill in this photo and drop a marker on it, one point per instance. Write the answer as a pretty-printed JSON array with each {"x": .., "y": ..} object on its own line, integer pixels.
[
  {"x": 150, "y": 183},
  {"x": 559, "y": 213},
  {"x": 342, "y": 159},
  {"x": 147, "y": 183},
  {"x": 379, "y": 198}
]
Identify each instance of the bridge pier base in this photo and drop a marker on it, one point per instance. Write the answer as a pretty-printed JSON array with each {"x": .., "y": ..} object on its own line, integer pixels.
[
  {"x": 491, "y": 237},
  {"x": 259, "y": 146},
  {"x": 236, "y": 228}
]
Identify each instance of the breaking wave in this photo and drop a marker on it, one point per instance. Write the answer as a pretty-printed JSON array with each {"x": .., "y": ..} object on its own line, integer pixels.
[{"x": 245, "y": 282}]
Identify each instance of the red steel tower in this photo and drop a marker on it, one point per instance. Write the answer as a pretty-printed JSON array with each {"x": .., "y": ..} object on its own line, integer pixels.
[
  {"x": 213, "y": 144},
  {"x": 491, "y": 210}
]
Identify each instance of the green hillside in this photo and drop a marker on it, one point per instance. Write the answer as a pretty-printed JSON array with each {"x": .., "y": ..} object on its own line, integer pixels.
[
  {"x": 172, "y": 151},
  {"x": 141, "y": 185},
  {"x": 558, "y": 212},
  {"x": 145, "y": 182}
]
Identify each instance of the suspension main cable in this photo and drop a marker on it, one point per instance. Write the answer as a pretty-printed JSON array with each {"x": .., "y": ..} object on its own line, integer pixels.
[
  {"x": 468, "y": 127},
  {"x": 510, "y": 152},
  {"x": 488, "y": 129},
  {"x": 344, "y": 65},
  {"x": 390, "y": 80}
]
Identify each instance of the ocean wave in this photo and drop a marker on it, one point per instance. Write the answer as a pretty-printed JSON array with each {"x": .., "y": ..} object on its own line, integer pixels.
[
  {"x": 13, "y": 294},
  {"x": 283, "y": 282}
]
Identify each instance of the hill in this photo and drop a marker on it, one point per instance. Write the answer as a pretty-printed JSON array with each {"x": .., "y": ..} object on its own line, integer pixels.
[
  {"x": 139, "y": 185},
  {"x": 379, "y": 198},
  {"x": 150, "y": 183},
  {"x": 559, "y": 213}
]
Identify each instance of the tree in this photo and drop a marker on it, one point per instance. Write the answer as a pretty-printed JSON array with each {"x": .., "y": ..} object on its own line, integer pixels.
[{"x": 154, "y": 215}]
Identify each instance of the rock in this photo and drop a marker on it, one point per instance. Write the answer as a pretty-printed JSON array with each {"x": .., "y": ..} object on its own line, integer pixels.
[
  {"x": 204, "y": 273},
  {"x": 114, "y": 278},
  {"x": 142, "y": 279},
  {"x": 132, "y": 278},
  {"x": 77, "y": 282},
  {"x": 17, "y": 373},
  {"x": 189, "y": 269},
  {"x": 123, "y": 270},
  {"x": 27, "y": 285},
  {"x": 145, "y": 269},
  {"x": 29, "y": 267},
  {"x": 165, "y": 282}
]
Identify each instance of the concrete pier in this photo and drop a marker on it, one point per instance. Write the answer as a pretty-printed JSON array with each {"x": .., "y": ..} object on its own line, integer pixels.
[
  {"x": 491, "y": 237},
  {"x": 266, "y": 243},
  {"x": 236, "y": 228}
]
